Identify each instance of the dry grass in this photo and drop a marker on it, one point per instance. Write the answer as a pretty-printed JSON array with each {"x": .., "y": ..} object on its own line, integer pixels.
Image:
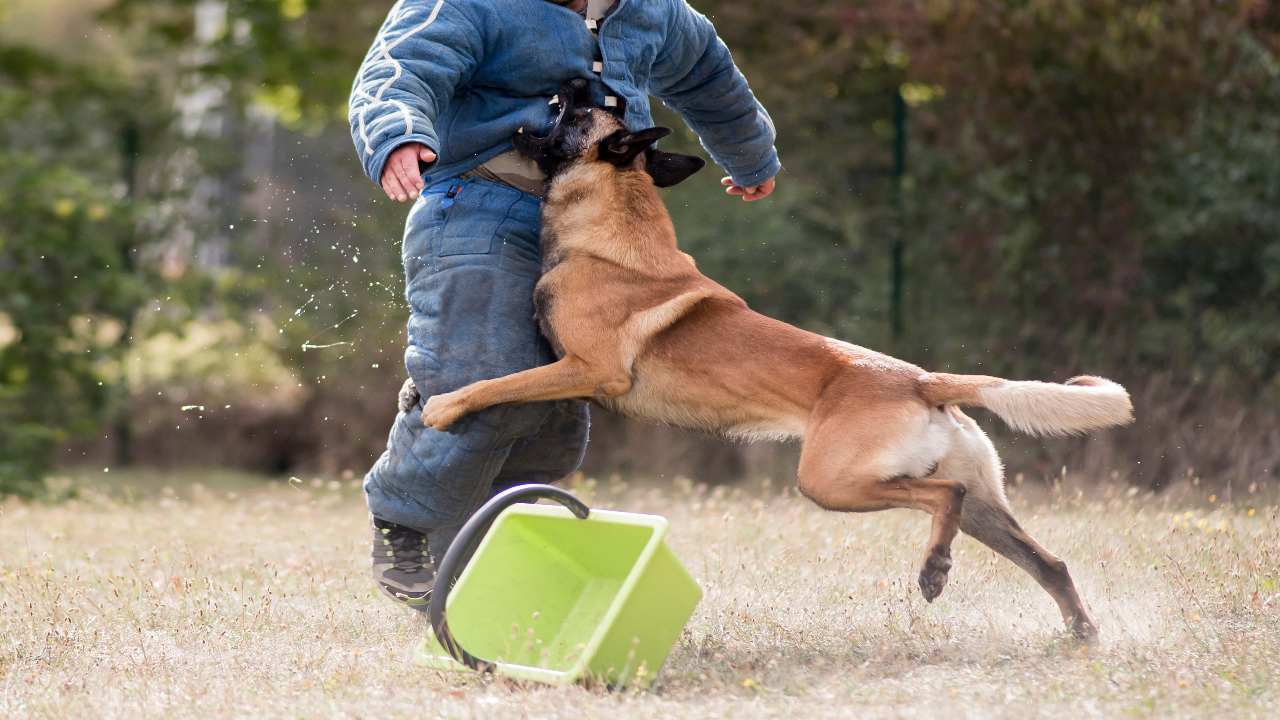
[{"x": 255, "y": 601}]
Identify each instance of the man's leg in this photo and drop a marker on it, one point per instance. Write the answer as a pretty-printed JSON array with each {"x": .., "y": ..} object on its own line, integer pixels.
[
  {"x": 471, "y": 262},
  {"x": 553, "y": 453}
]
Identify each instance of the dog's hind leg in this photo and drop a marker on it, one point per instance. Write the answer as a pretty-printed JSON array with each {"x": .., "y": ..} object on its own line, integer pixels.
[
  {"x": 848, "y": 463},
  {"x": 987, "y": 518},
  {"x": 996, "y": 528}
]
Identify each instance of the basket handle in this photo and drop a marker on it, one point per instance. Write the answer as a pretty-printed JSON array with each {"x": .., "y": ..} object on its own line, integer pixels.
[{"x": 464, "y": 545}]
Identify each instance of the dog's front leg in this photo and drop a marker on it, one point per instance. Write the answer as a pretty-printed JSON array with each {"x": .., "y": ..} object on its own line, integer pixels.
[{"x": 569, "y": 377}]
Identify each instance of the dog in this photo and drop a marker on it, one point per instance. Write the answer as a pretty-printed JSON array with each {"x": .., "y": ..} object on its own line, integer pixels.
[{"x": 638, "y": 329}]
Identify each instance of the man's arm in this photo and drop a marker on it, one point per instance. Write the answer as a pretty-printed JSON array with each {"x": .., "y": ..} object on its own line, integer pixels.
[
  {"x": 696, "y": 77},
  {"x": 424, "y": 51}
]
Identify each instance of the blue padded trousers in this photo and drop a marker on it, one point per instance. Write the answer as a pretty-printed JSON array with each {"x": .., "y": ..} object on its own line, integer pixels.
[{"x": 471, "y": 260}]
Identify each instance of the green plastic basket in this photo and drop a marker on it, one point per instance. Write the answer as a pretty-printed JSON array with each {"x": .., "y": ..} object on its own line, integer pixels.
[{"x": 559, "y": 594}]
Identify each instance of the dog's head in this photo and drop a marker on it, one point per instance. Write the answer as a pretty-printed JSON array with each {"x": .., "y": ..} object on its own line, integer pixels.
[{"x": 586, "y": 133}]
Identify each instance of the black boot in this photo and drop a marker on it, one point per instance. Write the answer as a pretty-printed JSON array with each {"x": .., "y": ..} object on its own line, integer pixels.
[{"x": 402, "y": 566}]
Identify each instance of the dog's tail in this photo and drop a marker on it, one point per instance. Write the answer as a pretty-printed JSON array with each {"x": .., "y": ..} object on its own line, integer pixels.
[{"x": 1037, "y": 408}]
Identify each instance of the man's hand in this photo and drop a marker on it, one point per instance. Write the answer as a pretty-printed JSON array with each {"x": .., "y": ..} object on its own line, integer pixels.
[
  {"x": 401, "y": 178},
  {"x": 751, "y": 193}
]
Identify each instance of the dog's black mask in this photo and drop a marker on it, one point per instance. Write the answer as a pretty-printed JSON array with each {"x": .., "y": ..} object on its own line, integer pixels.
[{"x": 580, "y": 126}]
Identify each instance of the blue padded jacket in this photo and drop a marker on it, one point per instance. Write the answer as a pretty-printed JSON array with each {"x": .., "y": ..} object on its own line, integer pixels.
[{"x": 461, "y": 76}]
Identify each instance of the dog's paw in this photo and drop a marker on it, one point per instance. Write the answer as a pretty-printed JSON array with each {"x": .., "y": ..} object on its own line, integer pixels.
[
  {"x": 1083, "y": 628},
  {"x": 933, "y": 576},
  {"x": 441, "y": 411},
  {"x": 408, "y": 398}
]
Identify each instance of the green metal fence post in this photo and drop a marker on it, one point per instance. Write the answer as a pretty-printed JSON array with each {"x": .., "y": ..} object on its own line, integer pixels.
[{"x": 897, "y": 270}]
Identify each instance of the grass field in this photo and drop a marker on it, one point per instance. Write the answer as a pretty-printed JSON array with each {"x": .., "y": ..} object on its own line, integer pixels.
[{"x": 234, "y": 598}]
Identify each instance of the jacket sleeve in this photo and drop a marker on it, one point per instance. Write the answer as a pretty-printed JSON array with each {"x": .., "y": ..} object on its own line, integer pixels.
[
  {"x": 424, "y": 51},
  {"x": 696, "y": 77}
]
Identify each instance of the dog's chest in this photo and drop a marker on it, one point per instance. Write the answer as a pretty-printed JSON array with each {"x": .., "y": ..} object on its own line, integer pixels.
[
  {"x": 578, "y": 303},
  {"x": 562, "y": 290}
]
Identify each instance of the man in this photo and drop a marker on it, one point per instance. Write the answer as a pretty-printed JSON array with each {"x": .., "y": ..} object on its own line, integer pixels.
[{"x": 441, "y": 92}]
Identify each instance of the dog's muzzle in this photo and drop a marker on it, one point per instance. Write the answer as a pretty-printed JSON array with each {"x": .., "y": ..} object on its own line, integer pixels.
[{"x": 573, "y": 94}]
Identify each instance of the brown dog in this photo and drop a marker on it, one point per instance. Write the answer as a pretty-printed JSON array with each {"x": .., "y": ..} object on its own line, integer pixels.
[{"x": 641, "y": 331}]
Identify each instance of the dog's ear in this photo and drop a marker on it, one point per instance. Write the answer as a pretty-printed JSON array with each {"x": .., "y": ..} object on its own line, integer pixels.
[
  {"x": 621, "y": 147},
  {"x": 669, "y": 169}
]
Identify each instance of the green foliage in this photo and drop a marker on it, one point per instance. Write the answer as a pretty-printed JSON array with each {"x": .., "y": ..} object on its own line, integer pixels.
[
  {"x": 1057, "y": 132},
  {"x": 64, "y": 244},
  {"x": 1091, "y": 184},
  {"x": 1213, "y": 291},
  {"x": 293, "y": 57}
]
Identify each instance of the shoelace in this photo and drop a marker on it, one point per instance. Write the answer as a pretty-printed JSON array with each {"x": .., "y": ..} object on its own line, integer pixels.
[{"x": 408, "y": 548}]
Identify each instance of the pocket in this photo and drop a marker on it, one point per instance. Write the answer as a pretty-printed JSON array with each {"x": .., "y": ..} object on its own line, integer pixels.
[
  {"x": 422, "y": 226},
  {"x": 473, "y": 221}
]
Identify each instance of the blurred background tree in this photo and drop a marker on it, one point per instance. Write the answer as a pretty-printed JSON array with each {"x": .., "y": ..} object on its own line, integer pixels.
[
  {"x": 1027, "y": 188},
  {"x": 68, "y": 247}
]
